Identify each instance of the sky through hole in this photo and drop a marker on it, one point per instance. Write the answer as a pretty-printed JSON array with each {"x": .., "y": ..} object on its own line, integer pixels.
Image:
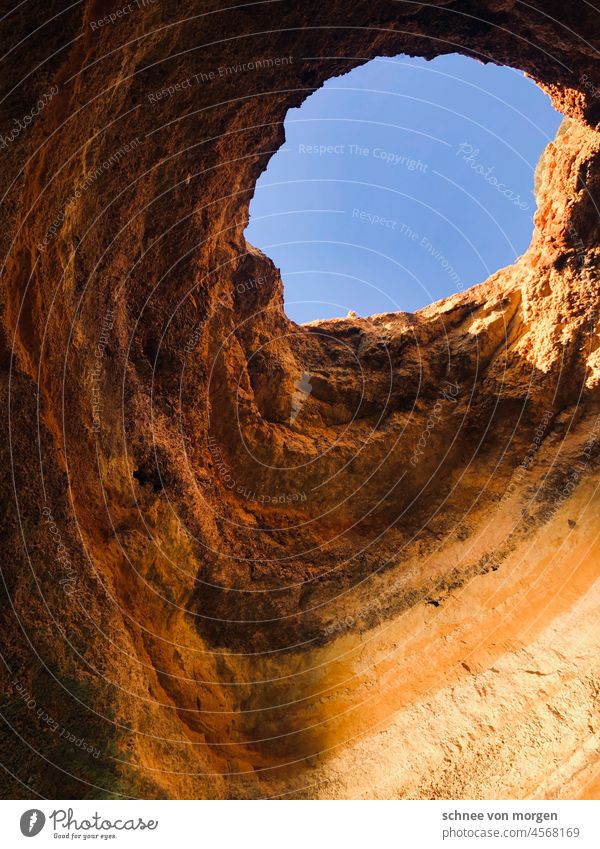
[{"x": 400, "y": 183}]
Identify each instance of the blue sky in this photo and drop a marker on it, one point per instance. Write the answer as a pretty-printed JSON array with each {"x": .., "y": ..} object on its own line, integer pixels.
[{"x": 400, "y": 183}]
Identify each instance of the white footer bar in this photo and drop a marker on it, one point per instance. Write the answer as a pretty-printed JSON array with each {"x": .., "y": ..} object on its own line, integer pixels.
[{"x": 303, "y": 824}]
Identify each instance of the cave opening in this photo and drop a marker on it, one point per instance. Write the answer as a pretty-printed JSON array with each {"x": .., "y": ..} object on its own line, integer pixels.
[{"x": 400, "y": 183}]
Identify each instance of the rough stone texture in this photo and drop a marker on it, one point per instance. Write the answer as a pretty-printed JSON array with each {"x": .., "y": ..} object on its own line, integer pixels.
[{"x": 389, "y": 630}]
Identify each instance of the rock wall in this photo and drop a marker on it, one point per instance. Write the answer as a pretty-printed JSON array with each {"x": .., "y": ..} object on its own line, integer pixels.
[{"x": 220, "y": 584}]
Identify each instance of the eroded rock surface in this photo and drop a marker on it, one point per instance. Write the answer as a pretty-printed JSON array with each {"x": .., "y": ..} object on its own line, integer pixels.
[{"x": 246, "y": 558}]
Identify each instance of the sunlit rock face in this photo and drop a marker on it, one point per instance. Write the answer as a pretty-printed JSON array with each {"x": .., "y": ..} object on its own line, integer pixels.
[{"x": 246, "y": 558}]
